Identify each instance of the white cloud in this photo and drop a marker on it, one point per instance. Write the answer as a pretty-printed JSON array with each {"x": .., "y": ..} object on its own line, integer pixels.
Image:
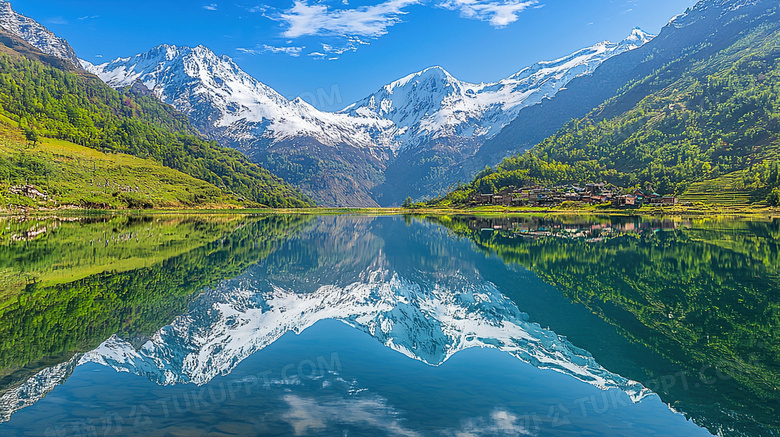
[
  {"x": 500, "y": 422},
  {"x": 350, "y": 45},
  {"x": 327, "y": 48},
  {"x": 292, "y": 51},
  {"x": 499, "y": 13},
  {"x": 57, "y": 21},
  {"x": 344, "y": 28},
  {"x": 211, "y": 7},
  {"x": 248, "y": 51},
  {"x": 305, "y": 19},
  {"x": 310, "y": 416}
]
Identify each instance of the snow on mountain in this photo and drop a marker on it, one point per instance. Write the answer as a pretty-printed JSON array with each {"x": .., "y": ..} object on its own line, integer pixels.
[
  {"x": 226, "y": 102},
  {"x": 35, "y": 34},
  {"x": 428, "y": 322},
  {"x": 342, "y": 157},
  {"x": 217, "y": 95},
  {"x": 432, "y": 103},
  {"x": 35, "y": 388}
]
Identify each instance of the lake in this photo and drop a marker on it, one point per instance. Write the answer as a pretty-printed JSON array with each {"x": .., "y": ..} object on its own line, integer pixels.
[{"x": 350, "y": 325}]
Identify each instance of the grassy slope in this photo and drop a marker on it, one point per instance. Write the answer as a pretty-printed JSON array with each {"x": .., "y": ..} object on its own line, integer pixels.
[
  {"x": 54, "y": 251},
  {"x": 44, "y": 94},
  {"x": 728, "y": 190},
  {"x": 81, "y": 176}
]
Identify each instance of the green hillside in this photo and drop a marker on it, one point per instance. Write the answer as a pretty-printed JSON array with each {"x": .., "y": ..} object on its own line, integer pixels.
[
  {"x": 113, "y": 284},
  {"x": 702, "y": 294},
  {"x": 45, "y": 100},
  {"x": 716, "y": 118},
  {"x": 70, "y": 174},
  {"x": 56, "y": 251}
]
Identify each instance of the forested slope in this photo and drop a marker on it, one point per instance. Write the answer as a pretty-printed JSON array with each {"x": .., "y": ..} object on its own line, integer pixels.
[
  {"x": 711, "y": 116},
  {"x": 46, "y": 98}
]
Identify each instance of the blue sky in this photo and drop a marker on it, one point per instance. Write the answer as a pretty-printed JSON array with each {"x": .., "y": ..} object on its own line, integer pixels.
[{"x": 334, "y": 52}]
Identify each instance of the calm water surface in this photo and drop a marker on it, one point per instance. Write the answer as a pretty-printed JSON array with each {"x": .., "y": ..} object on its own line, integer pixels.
[{"x": 400, "y": 326}]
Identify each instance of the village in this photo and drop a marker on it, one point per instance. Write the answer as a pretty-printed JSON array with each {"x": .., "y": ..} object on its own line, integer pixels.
[
  {"x": 590, "y": 194},
  {"x": 591, "y": 230}
]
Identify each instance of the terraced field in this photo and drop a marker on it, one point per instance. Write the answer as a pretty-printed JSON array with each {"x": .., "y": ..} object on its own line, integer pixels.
[{"x": 727, "y": 190}]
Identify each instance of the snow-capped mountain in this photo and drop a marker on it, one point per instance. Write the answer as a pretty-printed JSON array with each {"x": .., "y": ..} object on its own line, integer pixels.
[
  {"x": 429, "y": 318},
  {"x": 35, "y": 388},
  {"x": 35, "y": 34},
  {"x": 232, "y": 107},
  {"x": 226, "y": 103},
  {"x": 429, "y": 322},
  {"x": 432, "y": 103}
]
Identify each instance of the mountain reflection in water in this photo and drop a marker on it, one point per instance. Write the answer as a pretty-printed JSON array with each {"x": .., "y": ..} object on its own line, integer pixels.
[{"x": 420, "y": 289}]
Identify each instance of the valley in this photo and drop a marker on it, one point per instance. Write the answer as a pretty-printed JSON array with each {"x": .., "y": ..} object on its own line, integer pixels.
[
  {"x": 481, "y": 244},
  {"x": 402, "y": 140},
  {"x": 425, "y": 135}
]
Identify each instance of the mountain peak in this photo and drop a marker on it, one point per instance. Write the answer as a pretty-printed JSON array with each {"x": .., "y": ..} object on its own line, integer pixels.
[
  {"x": 438, "y": 70},
  {"x": 434, "y": 73},
  {"x": 426, "y": 322},
  {"x": 226, "y": 103},
  {"x": 167, "y": 51},
  {"x": 202, "y": 50},
  {"x": 35, "y": 34},
  {"x": 638, "y": 36},
  {"x": 431, "y": 103}
]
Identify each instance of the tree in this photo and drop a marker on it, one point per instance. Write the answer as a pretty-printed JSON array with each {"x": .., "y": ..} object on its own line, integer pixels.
[
  {"x": 407, "y": 203},
  {"x": 774, "y": 197},
  {"x": 32, "y": 136}
]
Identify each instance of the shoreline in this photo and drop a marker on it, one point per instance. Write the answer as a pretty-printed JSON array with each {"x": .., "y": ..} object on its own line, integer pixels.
[{"x": 712, "y": 210}]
